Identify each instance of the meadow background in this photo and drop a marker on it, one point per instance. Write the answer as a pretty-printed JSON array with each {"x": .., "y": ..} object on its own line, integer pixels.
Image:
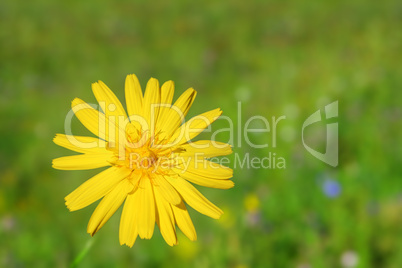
[{"x": 278, "y": 58}]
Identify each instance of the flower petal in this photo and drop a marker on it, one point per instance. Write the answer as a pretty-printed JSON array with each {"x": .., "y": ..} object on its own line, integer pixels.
[
  {"x": 152, "y": 99},
  {"x": 195, "y": 199},
  {"x": 167, "y": 92},
  {"x": 80, "y": 144},
  {"x": 183, "y": 221},
  {"x": 92, "y": 119},
  {"x": 176, "y": 114},
  {"x": 83, "y": 161},
  {"x": 194, "y": 126},
  {"x": 108, "y": 206},
  {"x": 166, "y": 189},
  {"x": 110, "y": 104},
  {"x": 146, "y": 207},
  {"x": 134, "y": 96},
  {"x": 128, "y": 222},
  {"x": 202, "y": 167},
  {"x": 95, "y": 188},
  {"x": 165, "y": 219},
  {"x": 207, "y": 182}
]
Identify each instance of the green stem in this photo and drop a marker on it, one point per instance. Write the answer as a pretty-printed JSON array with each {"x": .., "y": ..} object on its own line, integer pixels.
[{"x": 83, "y": 253}]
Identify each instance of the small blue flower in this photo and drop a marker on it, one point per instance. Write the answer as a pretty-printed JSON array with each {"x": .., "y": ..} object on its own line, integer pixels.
[{"x": 331, "y": 188}]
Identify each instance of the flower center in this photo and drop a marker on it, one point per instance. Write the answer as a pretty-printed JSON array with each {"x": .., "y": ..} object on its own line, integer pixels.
[
  {"x": 140, "y": 158},
  {"x": 141, "y": 152}
]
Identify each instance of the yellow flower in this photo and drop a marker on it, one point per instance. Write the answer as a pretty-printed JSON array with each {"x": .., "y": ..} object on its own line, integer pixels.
[
  {"x": 151, "y": 161},
  {"x": 251, "y": 202}
]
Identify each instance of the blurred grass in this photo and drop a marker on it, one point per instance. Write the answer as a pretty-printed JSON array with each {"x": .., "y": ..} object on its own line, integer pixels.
[{"x": 278, "y": 58}]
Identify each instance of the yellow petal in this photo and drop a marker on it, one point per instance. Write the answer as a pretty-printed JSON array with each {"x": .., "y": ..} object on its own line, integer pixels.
[
  {"x": 166, "y": 189},
  {"x": 205, "y": 148},
  {"x": 207, "y": 182},
  {"x": 175, "y": 115},
  {"x": 92, "y": 119},
  {"x": 204, "y": 168},
  {"x": 146, "y": 206},
  {"x": 95, "y": 188},
  {"x": 108, "y": 101},
  {"x": 167, "y": 92},
  {"x": 151, "y": 103},
  {"x": 135, "y": 178},
  {"x": 183, "y": 221},
  {"x": 108, "y": 206},
  {"x": 128, "y": 222},
  {"x": 80, "y": 144},
  {"x": 134, "y": 96},
  {"x": 83, "y": 161},
  {"x": 194, "y": 126},
  {"x": 165, "y": 219},
  {"x": 195, "y": 199},
  {"x": 114, "y": 113}
]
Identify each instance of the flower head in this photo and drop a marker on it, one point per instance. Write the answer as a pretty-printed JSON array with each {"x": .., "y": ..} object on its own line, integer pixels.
[{"x": 150, "y": 158}]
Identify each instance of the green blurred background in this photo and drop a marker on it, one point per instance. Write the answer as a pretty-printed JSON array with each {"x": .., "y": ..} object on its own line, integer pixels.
[{"x": 278, "y": 58}]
